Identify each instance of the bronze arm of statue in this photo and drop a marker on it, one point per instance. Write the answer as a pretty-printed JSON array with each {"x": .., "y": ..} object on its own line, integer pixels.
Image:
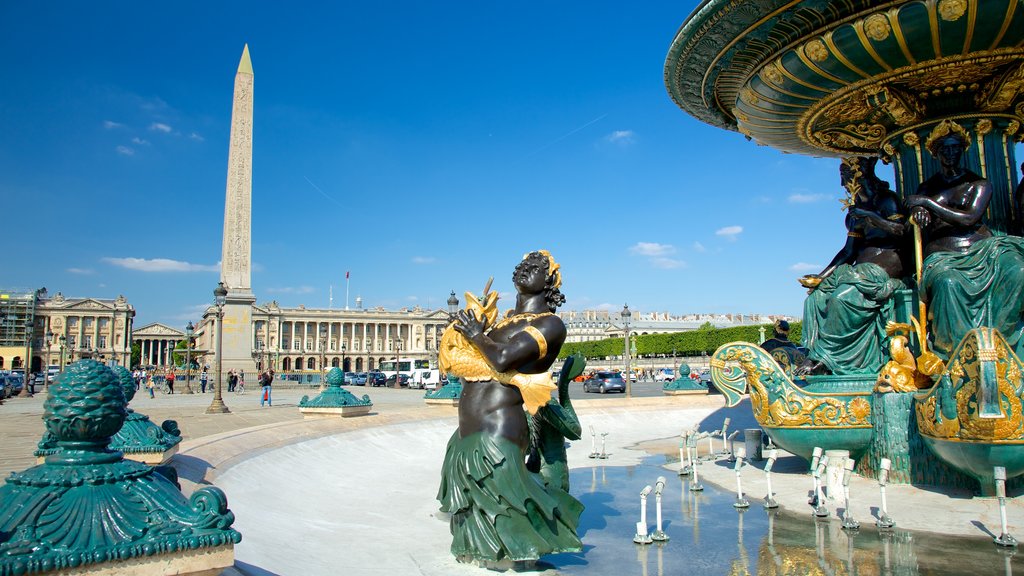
[{"x": 970, "y": 199}]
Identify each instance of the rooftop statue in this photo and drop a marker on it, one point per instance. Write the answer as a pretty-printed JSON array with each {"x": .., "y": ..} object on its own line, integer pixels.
[
  {"x": 851, "y": 300},
  {"x": 499, "y": 510},
  {"x": 971, "y": 278}
]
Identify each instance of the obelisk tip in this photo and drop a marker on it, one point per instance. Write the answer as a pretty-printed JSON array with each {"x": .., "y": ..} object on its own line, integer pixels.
[{"x": 245, "y": 64}]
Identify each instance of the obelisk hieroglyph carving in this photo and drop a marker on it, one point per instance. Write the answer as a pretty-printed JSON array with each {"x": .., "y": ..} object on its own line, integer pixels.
[{"x": 236, "y": 252}]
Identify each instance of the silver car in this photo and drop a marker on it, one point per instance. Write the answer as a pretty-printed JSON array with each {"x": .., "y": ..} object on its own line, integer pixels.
[{"x": 604, "y": 382}]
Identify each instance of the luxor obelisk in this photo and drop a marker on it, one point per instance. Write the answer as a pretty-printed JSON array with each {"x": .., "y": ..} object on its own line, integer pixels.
[{"x": 236, "y": 255}]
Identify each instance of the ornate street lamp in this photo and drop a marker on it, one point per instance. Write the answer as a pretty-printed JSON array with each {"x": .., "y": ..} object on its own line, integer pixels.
[
  {"x": 63, "y": 344},
  {"x": 190, "y": 331},
  {"x": 27, "y": 364},
  {"x": 220, "y": 297},
  {"x": 342, "y": 363},
  {"x": 46, "y": 368},
  {"x": 323, "y": 357},
  {"x": 625, "y": 321},
  {"x": 453, "y": 306}
]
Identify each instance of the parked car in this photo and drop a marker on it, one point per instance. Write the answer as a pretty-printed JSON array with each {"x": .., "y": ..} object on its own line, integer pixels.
[
  {"x": 350, "y": 378},
  {"x": 664, "y": 375},
  {"x": 13, "y": 384},
  {"x": 425, "y": 379},
  {"x": 359, "y": 379},
  {"x": 604, "y": 382},
  {"x": 705, "y": 377},
  {"x": 376, "y": 379},
  {"x": 402, "y": 383}
]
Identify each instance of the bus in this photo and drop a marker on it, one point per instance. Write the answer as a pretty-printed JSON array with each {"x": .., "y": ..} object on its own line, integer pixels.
[{"x": 404, "y": 366}]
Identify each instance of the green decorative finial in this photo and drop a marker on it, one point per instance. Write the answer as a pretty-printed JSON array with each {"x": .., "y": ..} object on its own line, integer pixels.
[
  {"x": 127, "y": 382},
  {"x": 86, "y": 504},
  {"x": 86, "y": 405},
  {"x": 335, "y": 377},
  {"x": 335, "y": 400}
]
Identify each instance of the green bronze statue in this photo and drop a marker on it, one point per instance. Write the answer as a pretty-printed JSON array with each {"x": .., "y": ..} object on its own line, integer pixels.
[
  {"x": 971, "y": 278},
  {"x": 851, "y": 300},
  {"x": 500, "y": 511}
]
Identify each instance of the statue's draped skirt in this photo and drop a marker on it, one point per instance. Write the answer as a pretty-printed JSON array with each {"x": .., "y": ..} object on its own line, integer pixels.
[
  {"x": 845, "y": 316},
  {"x": 981, "y": 287},
  {"x": 499, "y": 509}
]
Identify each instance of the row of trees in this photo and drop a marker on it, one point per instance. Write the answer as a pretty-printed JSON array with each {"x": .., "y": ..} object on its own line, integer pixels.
[{"x": 704, "y": 340}]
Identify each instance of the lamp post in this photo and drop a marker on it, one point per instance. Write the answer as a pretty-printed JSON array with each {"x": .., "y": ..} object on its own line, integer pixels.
[
  {"x": 63, "y": 343},
  {"x": 323, "y": 358},
  {"x": 342, "y": 363},
  {"x": 453, "y": 307},
  {"x": 190, "y": 331},
  {"x": 625, "y": 322},
  {"x": 398, "y": 360},
  {"x": 220, "y": 296},
  {"x": 258, "y": 355},
  {"x": 46, "y": 368},
  {"x": 27, "y": 364}
]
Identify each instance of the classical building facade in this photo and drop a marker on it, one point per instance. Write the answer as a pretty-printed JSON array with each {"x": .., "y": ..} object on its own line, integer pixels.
[
  {"x": 588, "y": 325},
  {"x": 156, "y": 344},
  {"x": 298, "y": 339},
  {"x": 57, "y": 330}
]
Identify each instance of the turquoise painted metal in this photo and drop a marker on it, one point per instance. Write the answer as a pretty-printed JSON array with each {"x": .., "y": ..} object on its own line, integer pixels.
[
  {"x": 86, "y": 504},
  {"x": 334, "y": 396},
  {"x": 139, "y": 438},
  {"x": 829, "y": 411},
  {"x": 972, "y": 419},
  {"x": 683, "y": 384},
  {"x": 447, "y": 394}
]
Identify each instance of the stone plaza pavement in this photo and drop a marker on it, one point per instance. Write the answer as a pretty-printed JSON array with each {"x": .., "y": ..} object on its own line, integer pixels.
[{"x": 302, "y": 488}]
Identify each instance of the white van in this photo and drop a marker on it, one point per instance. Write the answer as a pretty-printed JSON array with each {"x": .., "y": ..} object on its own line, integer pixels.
[{"x": 425, "y": 379}]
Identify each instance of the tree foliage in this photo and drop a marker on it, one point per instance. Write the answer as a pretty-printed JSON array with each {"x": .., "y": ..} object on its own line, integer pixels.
[{"x": 705, "y": 339}]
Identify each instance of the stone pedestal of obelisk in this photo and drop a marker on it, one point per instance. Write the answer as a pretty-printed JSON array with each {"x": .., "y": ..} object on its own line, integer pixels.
[{"x": 236, "y": 255}]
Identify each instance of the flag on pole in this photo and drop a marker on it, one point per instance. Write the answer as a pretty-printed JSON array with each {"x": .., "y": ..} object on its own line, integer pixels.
[{"x": 346, "y": 274}]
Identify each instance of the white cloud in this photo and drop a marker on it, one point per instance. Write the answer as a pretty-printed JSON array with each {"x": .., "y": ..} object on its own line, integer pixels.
[
  {"x": 125, "y": 151},
  {"x": 607, "y": 306},
  {"x": 799, "y": 198},
  {"x": 667, "y": 263},
  {"x": 110, "y": 124},
  {"x": 292, "y": 290},
  {"x": 805, "y": 267},
  {"x": 192, "y": 312},
  {"x": 195, "y": 136},
  {"x": 698, "y": 247},
  {"x": 140, "y": 141},
  {"x": 160, "y": 265},
  {"x": 620, "y": 137},
  {"x": 412, "y": 298},
  {"x": 160, "y": 127},
  {"x": 423, "y": 259},
  {"x": 729, "y": 232},
  {"x": 81, "y": 271},
  {"x": 652, "y": 249}
]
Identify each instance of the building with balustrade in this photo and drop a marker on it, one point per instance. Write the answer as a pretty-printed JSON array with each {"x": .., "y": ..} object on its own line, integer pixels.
[
  {"x": 301, "y": 339},
  {"x": 53, "y": 331}
]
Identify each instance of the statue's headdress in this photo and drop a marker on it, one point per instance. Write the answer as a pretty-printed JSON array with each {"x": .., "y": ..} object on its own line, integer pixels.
[
  {"x": 855, "y": 164},
  {"x": 944, "y": 129},
  {"x": 781, "y": 327},
  {"x": 553, "y": 267}
]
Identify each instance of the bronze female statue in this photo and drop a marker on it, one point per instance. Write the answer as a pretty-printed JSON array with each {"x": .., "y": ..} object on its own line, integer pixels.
[
  {"x": 499, "y": 510},
  {"x": 850, "y": 301},
  {"x": 971, "y": 278}
]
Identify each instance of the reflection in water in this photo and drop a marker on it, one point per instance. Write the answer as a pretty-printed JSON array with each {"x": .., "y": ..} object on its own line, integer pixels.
[{"x": 721, "y": 540}]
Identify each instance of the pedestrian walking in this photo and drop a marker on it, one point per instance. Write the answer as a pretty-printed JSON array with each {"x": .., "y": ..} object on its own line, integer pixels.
[
  {"x": 169, "y": 380},
  {"x": 266, "y": 380},
  {"x": 151, "y": 387},
  {"x": 203, "y": 378},
  {"x": 232, "y": 380}
]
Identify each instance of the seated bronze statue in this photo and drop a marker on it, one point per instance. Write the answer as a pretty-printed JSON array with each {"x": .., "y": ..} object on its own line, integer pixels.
[
  {"x": 499, "y": 509},
  {"x": 851, "y": 300},
  {"x": 786, "y": 353},
  {"x": 971, "y": 278}
]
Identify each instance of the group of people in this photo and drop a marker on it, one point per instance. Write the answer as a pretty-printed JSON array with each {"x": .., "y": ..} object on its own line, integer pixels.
[{"x": 854, "y": 297}]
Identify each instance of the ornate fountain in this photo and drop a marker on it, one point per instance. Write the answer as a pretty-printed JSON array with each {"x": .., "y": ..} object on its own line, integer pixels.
[{"x": 935, "y": 88}]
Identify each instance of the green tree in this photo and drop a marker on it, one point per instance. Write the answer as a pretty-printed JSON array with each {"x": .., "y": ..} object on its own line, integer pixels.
[
  {"x": 180, "y": 355},
  {"x": 136, "y": 354}
]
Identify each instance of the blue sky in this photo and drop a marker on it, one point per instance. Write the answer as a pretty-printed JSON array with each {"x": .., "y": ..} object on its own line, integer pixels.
[{"x": 421, "y": 146}]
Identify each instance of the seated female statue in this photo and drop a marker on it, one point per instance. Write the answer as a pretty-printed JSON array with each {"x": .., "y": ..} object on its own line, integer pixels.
[
  {"x": 850, "y": 301},
  {"x": 971, "y": 278}
]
